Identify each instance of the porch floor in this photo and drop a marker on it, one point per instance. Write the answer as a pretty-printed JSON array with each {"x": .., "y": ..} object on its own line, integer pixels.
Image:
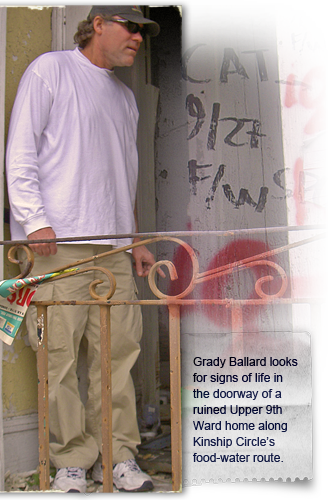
[
  {"x": 154, "y": 458},
  {"x": 28, "y": 481}
]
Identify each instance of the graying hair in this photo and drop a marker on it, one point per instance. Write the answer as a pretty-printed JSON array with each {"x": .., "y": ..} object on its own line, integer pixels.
[{"x": 85, "y": 31}]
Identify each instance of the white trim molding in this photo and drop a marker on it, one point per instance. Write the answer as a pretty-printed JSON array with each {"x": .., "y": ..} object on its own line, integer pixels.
[{"x": 20, "y": 436}]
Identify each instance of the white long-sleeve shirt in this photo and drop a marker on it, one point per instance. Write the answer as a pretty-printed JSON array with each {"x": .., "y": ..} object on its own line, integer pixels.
[{"x": 71, "y": 154}]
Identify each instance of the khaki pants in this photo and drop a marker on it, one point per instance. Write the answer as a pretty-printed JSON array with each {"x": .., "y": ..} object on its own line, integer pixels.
[{"x": 77, "y": 429}]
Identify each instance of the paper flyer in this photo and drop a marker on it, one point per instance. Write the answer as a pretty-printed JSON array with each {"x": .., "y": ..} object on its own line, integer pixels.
[{"x": 15, "y": 298}]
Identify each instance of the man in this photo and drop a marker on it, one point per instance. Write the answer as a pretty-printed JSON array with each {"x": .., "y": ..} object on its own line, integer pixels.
[{"x": 72, "y": 171}]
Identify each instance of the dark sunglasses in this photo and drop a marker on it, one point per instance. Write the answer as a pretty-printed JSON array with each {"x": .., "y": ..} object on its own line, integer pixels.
[{"x": 131, "y": 27}]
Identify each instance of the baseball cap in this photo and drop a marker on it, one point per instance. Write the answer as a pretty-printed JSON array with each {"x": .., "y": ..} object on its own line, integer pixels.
[{"x": 131, "y": 13}]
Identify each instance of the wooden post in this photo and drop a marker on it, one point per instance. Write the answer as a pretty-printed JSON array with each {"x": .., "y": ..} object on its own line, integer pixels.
[
  {"x": 106, "y": 393},
  {"x": 43, "y": 407},
  {"x": 175, "y": 383}
]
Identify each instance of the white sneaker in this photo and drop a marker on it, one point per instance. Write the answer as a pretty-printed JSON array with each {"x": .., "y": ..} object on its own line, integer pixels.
[
  {"x": 70, "y": 480},
  {"x": 127, "y": 476}
]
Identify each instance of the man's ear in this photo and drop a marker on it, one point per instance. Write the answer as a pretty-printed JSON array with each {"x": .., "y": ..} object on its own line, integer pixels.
[{"x": 98, "y": 24}]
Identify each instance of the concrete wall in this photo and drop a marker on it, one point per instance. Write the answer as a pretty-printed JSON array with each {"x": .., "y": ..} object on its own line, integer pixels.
[
  {"x": 28, "y": 35},
  {"x": 220, "y": 156}
]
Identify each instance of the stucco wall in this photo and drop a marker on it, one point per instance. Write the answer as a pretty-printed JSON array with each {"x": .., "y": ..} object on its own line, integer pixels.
[{"x": 28, "y": 35}]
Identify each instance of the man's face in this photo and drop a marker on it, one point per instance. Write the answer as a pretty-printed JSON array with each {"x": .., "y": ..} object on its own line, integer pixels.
[{"x": 117, "y": 46}]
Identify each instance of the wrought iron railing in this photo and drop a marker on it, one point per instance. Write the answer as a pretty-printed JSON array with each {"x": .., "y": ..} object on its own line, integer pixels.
[{"x": 173, "y": 302}]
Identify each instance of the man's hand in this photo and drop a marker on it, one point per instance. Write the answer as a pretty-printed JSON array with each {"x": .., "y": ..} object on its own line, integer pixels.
[
  {"x": 143, "y": 261},
  {"x": 43, "y": 249}
]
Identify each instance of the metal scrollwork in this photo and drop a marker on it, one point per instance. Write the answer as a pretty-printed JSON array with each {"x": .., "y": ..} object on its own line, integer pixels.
[
  {"x": 250, "y": 262},
  {"x": 92, "y": 287},
  {"x": 29, "y": 262},
  {"x": 216, "y": 273},
  {"x": 173, "y": 273},
  {"x": 94, "y": 283},
  {"x": 112, "y": 282},
  {"x": 265, "y": 279}
]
